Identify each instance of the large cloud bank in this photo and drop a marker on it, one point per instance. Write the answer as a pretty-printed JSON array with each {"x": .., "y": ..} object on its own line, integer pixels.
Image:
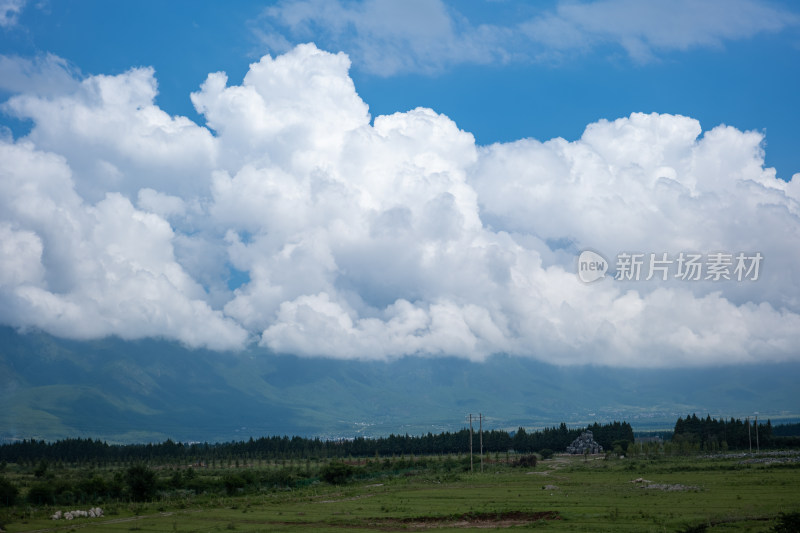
[{"x": 292, "y": 220}]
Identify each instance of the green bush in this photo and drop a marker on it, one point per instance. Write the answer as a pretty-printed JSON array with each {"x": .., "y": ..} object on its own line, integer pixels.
[
  {"x": 787, "y": 523},
  {"x": 41, "y": 468},
  {"x": 65, "y": 498},
  {"x": 199, "y": 484},
  {"x": 547, "y": 453},
  {"x": 141, "y": 483},
  {"x": 525, "y": 461},
  {"x": 622, "y": 444},
  {"x": 336, "y": 473},
  {"x": 8, "y": 492},
  {"x": 116, "y": 486},
  {"x": 232, "y": 483},
  {"x": 41, "y": 494},
  {"x": 176, "y": 480},
  {"x": 92, "y": 487},
  {"x": 279, "y": 478}
]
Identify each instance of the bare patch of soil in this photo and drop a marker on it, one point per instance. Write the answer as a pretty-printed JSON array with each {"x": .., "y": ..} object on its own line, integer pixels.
[
  {"x": 647, "y": 484},
  {"x": 348, "y": 499},
  {"x": 469, "y": 520}
]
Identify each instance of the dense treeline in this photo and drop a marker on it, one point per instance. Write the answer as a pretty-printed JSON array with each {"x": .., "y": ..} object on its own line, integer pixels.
[
  {"x": 494, "y": 441},
  {"x": 786, "y": 430},
  {"x": 705, "y": 433},
  {"x": 711, "y": 434}
]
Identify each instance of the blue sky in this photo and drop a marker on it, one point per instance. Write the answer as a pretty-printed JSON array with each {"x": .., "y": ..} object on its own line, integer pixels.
[
  {"x": 748, "y": 81},
  {"x": 375, "y": 179}
]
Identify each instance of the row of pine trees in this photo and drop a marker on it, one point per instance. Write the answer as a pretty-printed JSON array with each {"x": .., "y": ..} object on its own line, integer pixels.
[
  {"x": 694, "y": 432},
  {"x": 494, "y": 441}
]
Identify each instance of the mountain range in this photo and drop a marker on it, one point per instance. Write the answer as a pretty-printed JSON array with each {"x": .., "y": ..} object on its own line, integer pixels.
[{"x": 150, "y": 390}]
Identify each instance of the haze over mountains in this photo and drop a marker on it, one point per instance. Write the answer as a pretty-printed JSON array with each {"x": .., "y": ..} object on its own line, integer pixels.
[{"x": 150, "y": 390}]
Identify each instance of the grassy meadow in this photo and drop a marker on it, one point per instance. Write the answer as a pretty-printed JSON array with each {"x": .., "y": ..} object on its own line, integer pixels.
[{"x": 725, "y": 493}]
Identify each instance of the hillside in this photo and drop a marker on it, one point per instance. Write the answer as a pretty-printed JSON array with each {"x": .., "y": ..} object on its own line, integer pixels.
[{"x": 151, "y": 389}]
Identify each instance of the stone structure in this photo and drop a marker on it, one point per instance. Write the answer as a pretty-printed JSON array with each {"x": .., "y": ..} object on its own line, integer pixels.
[{"x": 583, "y": 443}]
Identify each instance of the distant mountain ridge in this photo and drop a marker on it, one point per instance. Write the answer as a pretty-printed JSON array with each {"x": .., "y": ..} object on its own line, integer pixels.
[{"x": 151, "y": 390}]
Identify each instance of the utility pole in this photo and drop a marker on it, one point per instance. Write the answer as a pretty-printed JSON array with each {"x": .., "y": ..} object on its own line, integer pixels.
[
  {"x": 470, "y": 443},
  {"x": 758, "y": 448},
  {"x": 480, "y": 432},
  {"x": 749, "y": 437}
]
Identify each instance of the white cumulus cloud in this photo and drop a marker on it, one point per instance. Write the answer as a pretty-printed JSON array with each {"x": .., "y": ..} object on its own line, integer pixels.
[
  {"x": 293, "y": 220},
  {"x": 89, "y": 270},
  {"x": 108, "y": 129}
]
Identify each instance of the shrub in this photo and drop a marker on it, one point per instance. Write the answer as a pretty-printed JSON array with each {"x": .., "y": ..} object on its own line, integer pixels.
[
  {"x": 8, "y": 492},
  {"x": 176, "y": 481},
  {"x": 65, "y": 498},
  {"x": 92, "y": 489},
  {"x": 336, "y": 473},
  {"x": 141, "y": 483},
  {"x": 622, "y": 445},
  {"x": 787, "y": 523},
  {"x": 279, "y": 478},
  {"x": 41, "y": 468},
  {"x": 232, "y": 483},
  {"x": 41, "y": 493},
  {"x": 547, "y": 453},
  {"x": 525, "y": 461},
  {"x": 116, "y": 486}
]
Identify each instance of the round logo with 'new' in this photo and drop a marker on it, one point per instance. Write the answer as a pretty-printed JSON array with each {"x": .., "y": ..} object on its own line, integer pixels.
[{"x": 591, "y": 266}]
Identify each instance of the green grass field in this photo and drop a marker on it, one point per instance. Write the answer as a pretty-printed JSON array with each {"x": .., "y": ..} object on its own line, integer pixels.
[{"x": 567, "y": 493}]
